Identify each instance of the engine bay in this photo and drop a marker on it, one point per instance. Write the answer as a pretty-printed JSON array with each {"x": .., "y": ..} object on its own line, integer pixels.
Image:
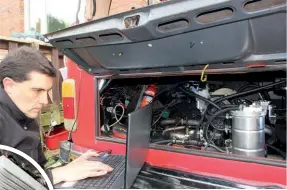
[
  {"x": 234, "y": 114},
  {"x": 25, "y": 165}
]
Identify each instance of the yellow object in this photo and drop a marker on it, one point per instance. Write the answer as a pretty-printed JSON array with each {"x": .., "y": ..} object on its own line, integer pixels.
[
  {"x": 68, "y": 88},
  {"x": 68, "y": 95},
  {"x": 203, "y": 74}
]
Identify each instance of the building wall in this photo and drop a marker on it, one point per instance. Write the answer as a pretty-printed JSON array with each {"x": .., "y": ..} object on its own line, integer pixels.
[
  {"x": 12, "y": 13},
  {"x": 119, "y": 6},
  {"x": 11, "y": 16}
]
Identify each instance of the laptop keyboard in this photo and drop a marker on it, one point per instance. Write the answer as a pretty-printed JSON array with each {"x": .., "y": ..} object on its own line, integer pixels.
[{"x": 117, "y": 162}]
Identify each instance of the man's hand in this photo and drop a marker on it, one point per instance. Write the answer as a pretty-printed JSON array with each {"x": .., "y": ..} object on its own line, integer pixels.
[
  {"x": 80, "y": 168},
  {"x": 86, "y": 156}
]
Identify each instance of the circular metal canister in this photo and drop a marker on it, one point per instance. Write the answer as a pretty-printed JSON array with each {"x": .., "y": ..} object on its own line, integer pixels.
[{"x": 248, "y": 137}]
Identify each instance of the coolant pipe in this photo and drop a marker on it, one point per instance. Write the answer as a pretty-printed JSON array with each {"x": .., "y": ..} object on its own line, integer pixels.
[
  {"x": 178, "y": 122},
  {"x": 248, "y": 92},
  {"x": 173, "y": 129},
  {"x": 268, "y": 131},
  {"x": 191, "y": 142},
  {"x": 188, "y": 142},
  {"x": 216, "y": 148}
]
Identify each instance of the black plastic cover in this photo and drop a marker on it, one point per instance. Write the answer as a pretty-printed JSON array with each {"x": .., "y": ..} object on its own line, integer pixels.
[{"x": 179, "y": 33}]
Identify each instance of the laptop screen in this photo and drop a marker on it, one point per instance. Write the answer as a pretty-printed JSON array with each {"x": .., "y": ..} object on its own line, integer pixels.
[{"x": 137, "y": 143}]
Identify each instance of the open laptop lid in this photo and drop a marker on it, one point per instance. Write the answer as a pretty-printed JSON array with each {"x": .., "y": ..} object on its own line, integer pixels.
[{"x": 137, "y": 143}]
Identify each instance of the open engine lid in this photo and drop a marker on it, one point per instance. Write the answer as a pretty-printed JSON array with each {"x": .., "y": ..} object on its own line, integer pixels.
[{"x": 179, "y": 34}]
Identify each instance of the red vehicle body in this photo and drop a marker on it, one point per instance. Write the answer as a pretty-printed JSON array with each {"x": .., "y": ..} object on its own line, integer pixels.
[
  {"x": 243, "y": 43},
  {"x": 249, "y": 173}
]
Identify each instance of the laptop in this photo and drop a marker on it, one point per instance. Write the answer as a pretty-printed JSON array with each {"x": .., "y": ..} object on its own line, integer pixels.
[
  {"x": 126, "y": 167},
  {"x": 13, "y": 177}
]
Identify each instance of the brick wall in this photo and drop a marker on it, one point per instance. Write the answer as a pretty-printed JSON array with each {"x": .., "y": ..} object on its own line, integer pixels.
[
  {"x": 118, "y": 6},
  {"x": 11, "y": 16}
]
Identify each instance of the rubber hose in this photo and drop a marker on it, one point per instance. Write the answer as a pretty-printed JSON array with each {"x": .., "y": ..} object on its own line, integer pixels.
[
  {"x": 216, "y": 148},
  {"x": 200, "y": 97},
  {"x": 163, "y": 142},
  {"x": 172, "y": 86},
  {"x": 218, "y": 113},
  {"x": 248, "y": 92},
  {"x": 268, "y": 131},
  {"x": 238, "y": 95},
  {"x": 212, "y": 118},
  {"x": 175, "y": 121},
  {"x": 242, "y": 94},
  {"x": 283, "y": 154},
  {"x": 94, "y": 8},
  {"x": 265, "y": 94},
  {"x": 222, "y": 107}
]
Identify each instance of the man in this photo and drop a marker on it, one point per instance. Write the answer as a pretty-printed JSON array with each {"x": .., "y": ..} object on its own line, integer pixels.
[{"x": 26, "y": 77}]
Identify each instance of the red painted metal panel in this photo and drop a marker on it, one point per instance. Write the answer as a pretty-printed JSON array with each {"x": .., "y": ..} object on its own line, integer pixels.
[
  {"x": 68, "y": 107},
  {"x": 85, "y": 101},
  {"x": 250, "y": 173}
]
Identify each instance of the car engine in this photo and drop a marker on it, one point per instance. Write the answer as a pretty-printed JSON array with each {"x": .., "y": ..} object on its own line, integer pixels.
[{"x": 223, "y": 114}]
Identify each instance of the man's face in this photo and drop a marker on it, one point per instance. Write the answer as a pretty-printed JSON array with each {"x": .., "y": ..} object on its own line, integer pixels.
[{"x": 31, "y": 95}]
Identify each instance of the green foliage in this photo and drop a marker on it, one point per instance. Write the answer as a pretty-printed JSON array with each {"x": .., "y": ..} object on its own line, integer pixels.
[{"x": 55, "y": 24}]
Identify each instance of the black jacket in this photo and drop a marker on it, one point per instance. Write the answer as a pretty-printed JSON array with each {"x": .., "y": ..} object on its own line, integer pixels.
[{"x": 20, "y": 132}]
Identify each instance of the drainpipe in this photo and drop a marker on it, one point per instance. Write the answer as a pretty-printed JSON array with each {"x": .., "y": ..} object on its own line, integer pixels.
[{"x": 26, "y": 15}]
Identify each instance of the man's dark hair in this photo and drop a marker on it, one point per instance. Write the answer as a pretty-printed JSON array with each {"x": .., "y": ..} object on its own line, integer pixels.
[{"x": 18, "y": 64}]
